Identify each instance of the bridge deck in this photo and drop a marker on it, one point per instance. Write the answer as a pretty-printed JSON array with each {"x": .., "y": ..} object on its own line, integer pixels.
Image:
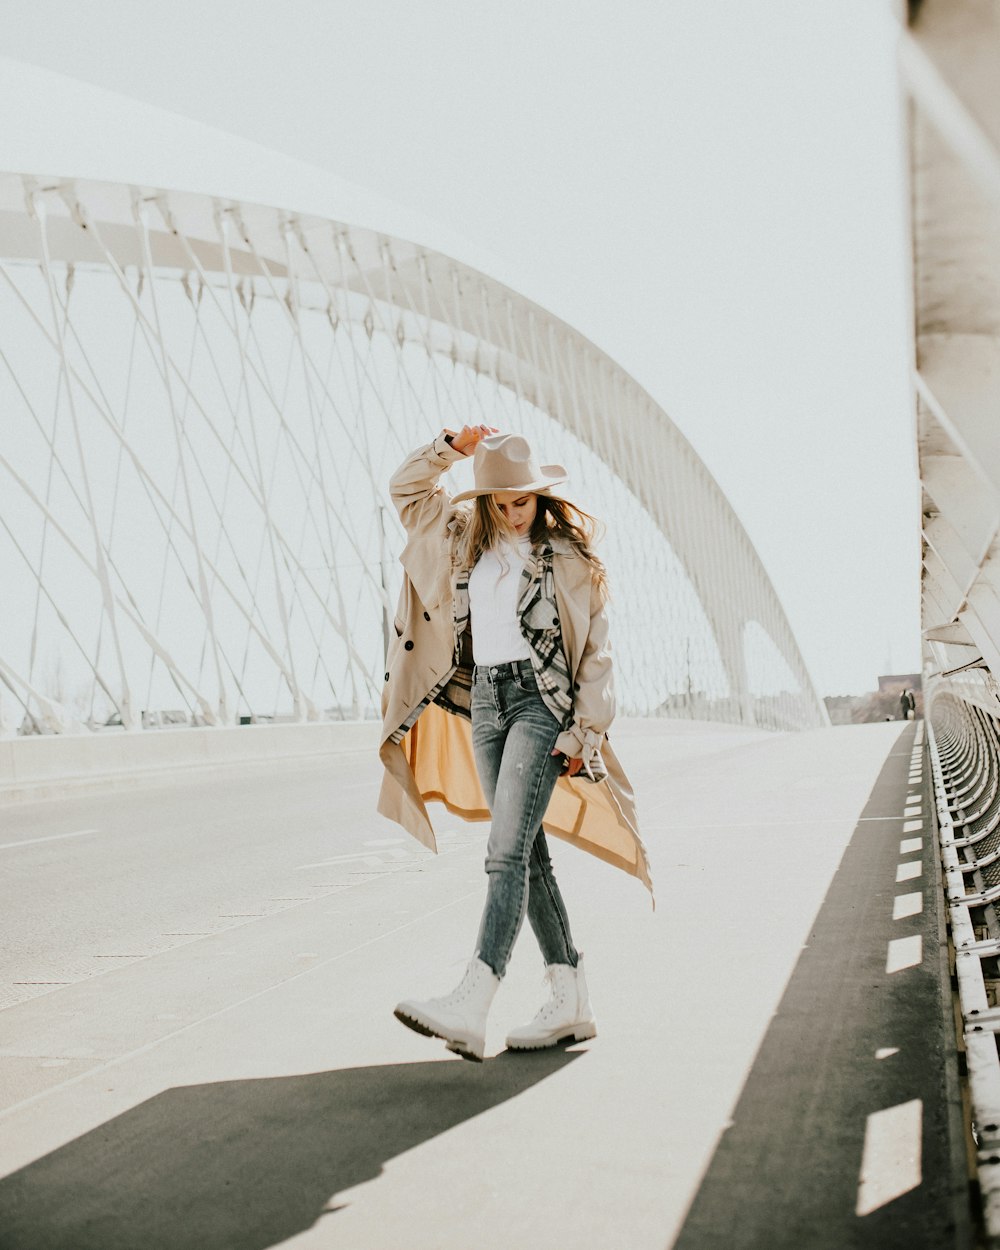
[{"x": 220, "y": 1066}]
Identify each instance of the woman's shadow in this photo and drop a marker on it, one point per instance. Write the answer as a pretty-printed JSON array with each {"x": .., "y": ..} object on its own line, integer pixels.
[{"x": 243, "y": 1165}]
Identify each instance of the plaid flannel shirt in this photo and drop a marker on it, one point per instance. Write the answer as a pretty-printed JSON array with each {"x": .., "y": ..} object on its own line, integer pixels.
[{"x": 539, "y": 616}]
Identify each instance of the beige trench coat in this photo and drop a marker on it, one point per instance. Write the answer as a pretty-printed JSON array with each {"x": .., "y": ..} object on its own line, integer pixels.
[{"x": 435, "y": 759}]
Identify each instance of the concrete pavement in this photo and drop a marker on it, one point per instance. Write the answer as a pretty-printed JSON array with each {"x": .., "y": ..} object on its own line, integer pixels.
[{"x": 249, "y": 1086}]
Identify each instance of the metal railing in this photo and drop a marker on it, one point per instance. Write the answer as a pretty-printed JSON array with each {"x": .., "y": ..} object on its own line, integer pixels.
[{"x": 964, "y": 747}]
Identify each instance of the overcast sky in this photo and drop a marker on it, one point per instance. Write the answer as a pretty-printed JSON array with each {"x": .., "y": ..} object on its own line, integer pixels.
[{"x": 708, "y": 189}]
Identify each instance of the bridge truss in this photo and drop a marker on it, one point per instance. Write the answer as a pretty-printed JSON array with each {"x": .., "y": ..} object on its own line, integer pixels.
[{"x": 202, "y": 403}]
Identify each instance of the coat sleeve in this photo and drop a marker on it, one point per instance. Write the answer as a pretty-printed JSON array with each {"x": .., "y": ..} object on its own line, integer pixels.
[
  {"x": 594, "y": 694},
  {"x": 421, "y": 503}
]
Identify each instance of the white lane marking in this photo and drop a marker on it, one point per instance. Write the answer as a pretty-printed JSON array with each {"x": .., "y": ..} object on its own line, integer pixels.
[
  {"x": 904, "y": 953},
  {"x": 890, "y": 1160},
  {"x": 51, "y": 837},
  {"x": 911, "y": 844},
  {"x": 886, "y": 1052},
  {"x": 913, "y": 826},
  {"x": 904, "y": 905},
  {"x": 909, "y": 871}
]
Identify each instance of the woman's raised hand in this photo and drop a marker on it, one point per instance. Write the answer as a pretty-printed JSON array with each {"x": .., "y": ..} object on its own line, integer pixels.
[{"x": 469, "y": 435}]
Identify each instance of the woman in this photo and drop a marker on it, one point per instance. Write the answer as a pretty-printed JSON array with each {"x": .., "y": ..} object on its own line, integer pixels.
[{"x": 502, "y": 623}]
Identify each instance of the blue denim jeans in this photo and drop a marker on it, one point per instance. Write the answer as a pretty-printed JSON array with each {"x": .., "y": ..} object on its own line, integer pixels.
[{"x": 513, "y": 734}]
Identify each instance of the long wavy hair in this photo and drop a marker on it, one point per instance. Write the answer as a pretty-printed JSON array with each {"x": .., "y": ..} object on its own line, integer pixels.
[{"x": 484, "y": 526}]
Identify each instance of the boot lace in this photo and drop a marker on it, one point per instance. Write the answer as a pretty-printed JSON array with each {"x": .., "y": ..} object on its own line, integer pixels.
[
  {"x": 464, "y": 988},
  {"x": 556, "y": 1000}
]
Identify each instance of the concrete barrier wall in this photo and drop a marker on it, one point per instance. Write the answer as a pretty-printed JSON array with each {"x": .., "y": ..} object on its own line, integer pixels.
[{"x": 42, "y": 767}]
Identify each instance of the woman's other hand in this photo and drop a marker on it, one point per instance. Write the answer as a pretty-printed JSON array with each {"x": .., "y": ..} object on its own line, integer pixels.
[
  {"x": 570, "y": 766},
  {"x": 469, "y": 435}
]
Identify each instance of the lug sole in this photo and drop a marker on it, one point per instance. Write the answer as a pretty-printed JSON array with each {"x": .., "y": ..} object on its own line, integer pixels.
[
  {"x": 463, "y": 1052},
  {"x": 413, "y": 1023},
  {"x": 584, "y": 1033},
  {"x": 461, "y": 1046}
]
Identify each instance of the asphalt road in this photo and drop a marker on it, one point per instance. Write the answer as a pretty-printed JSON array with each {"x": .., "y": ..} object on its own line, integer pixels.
[{"x": 199, "y": 1049}]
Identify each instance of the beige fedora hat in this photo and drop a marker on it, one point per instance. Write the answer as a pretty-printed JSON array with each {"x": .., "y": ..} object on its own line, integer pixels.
[{"x": 506, "y": 462}]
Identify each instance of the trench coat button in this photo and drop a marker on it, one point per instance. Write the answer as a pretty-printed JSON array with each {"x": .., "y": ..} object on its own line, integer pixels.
[
  {"x": 427, "y": 616},
  {"x": 387, "y": 676},
  {"x": 408, "y": 646}
]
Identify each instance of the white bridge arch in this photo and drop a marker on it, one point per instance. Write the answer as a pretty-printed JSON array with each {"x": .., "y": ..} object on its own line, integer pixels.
[{"x": 203, "y": 400}]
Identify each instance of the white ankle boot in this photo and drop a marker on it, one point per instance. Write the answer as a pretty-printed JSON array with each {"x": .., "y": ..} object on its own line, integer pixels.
[
  {"x": 460, "y": 1017},
  {"x": 567, "y": 1016}
]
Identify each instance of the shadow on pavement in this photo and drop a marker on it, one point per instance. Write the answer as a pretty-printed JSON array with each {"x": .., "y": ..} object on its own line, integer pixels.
[
  {"x": 786, "y": 1172},
  {"x": 246, "y": 1164}
]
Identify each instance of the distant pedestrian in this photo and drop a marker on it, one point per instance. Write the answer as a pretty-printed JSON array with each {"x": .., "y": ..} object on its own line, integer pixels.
[
  {"x": 907, "y": 705},
  {"x": 502, "y": 623}
]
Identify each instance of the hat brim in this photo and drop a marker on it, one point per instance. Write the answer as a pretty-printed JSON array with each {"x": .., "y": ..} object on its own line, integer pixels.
[
  {"x": 557, "y": 478},
  {"x": 534, "y": 488}
]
